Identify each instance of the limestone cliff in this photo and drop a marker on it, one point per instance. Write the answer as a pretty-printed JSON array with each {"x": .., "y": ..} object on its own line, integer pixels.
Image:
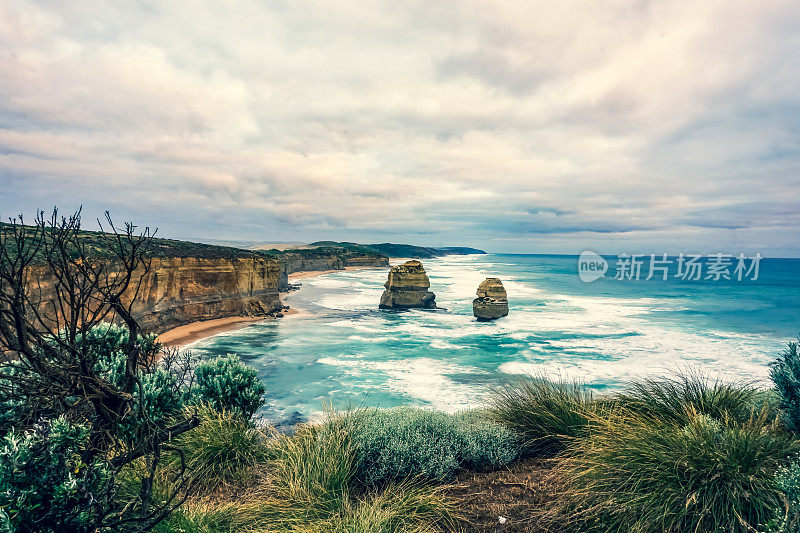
[
  {"x": 181, "y": 290},
  {"x": 492, "y": 300},
  {"x": 407, "y": 287},
  {"x": 299, "y": 261},
  {"x": 190, "y": 281},
  {"x": 232, "y": 282}
]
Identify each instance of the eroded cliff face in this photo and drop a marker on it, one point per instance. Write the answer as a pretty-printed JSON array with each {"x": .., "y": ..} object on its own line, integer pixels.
[
  {"x": 407, "y": 288},
  {"x": 296, "y": 262},
  {"x": 179, "y": 291},
  {"x": 492, "y": 300},
  {"x": 182, "y": 289}
]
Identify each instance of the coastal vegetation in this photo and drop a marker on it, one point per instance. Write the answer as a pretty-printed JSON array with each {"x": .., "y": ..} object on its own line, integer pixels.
[
  {"x": 681, "y": 454},
  {"x": 103, "y": 429},
  {"x": 401, "y": 250}
]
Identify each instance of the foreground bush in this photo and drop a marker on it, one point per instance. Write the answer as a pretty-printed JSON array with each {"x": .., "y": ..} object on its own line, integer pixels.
[
  {"x": 648, "y": 474},
  {"x": 786, "y": 376},
  {"x": 310, "y": 485},
  {"x": 403, "y": 443},
  {"x": 44, "y": 483},
  {"x": 228, "y": 384},
  {"x": 787, "y": 480},
  {"x": 546, "y": 415}
]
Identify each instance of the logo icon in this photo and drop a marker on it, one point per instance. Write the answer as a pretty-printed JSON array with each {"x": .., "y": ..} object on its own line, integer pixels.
[{"x": 591, "y": 266}]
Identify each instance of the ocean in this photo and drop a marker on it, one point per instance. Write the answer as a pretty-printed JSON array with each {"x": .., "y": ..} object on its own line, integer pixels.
[{"x": 342, "y": 351}]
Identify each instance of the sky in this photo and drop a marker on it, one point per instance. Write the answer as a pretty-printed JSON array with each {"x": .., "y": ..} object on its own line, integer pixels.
[{"x": 514, "y": 126}]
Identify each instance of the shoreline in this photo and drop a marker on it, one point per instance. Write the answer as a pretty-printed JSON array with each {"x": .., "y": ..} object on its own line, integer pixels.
[
  {"x": 303, "y": 274},
  {"x": 194, "y": 331}
]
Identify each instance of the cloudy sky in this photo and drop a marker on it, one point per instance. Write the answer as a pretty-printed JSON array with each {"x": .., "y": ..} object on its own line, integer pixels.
[{"x": 528, "y": 126}]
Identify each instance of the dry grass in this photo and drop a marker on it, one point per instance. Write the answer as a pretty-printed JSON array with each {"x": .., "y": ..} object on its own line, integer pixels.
[{"x": 308, "y": 485}]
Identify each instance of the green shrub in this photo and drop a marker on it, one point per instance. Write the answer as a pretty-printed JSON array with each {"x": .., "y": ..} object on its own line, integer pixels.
[
  {"x": 105, "y": 343},
  {"x": 546, "y": 415},
  {"x": 12, "y": 401},
  {"x": 225, "y": 448},
  {"x": 159, "y": 395},
  {"x": 786, "y": 377},
  {"x": 648, "y": 474},
  {"x": 44, "y": 483},
  {"x": 402, "y": 443},
  {"x": 787, "y": 480},
  {"x": 46, "y": 457},
  {"x": 228, "y": 384}
]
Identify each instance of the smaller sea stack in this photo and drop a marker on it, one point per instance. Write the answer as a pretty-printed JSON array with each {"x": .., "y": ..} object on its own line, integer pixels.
[
  {"x": 407, "y": 288},
  {"x": 492, "y": 301}
]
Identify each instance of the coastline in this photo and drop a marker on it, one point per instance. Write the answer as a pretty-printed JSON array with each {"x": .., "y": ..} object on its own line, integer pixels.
[
  {"x": 201, "y": 329},
  {"x": 303, "y": 274}
]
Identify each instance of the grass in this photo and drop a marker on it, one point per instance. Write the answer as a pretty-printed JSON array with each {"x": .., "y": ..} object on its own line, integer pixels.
[
  {"x": 678, "y": 399},
  {"x": 307, "y": 482},
  {"x": 224, "y": 449},
  {"x": 677, "y": 454},
  {"x": 646, "y": 474},
  {"x": 681, "y": 454},
  {"x": 547, "y": 415}
]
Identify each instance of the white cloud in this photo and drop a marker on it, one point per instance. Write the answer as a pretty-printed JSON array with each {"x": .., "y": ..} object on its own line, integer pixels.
[{"x": 507, "y": 125}]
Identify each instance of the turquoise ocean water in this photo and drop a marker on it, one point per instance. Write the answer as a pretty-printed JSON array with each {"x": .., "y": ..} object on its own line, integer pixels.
[{"x": 343, "y": 350}]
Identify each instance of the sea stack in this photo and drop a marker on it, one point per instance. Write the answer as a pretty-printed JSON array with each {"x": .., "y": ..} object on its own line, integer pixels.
[
  {"x": 407, "y": 288},
  {"x": 492, "y": 301}
]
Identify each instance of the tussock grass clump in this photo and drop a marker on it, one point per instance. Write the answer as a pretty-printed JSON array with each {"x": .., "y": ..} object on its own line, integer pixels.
[
  {"x": 409, "y": 506},
  {"x": 678, "y": 399},
  {"x": 403, "y": 443},
  {"x": 310, "y": 485},
  {"x": 645, "y": 473},
  {"x": 547, "y": 415},
  {"x": 225, "y": 448}
]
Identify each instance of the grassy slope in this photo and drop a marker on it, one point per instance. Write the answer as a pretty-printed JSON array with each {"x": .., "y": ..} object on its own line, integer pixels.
[
  {"x": 164, "y": 248},
  {"x": 176, "y": 248},
  {"x": 403, "y": 250}
]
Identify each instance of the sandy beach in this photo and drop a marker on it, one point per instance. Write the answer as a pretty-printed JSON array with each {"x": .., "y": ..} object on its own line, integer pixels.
[
  {"x": 197, "y": 330},
  {"x": 314, "y": 273},
  {"x": 186, "y": 334},
  {"x": 308, "y": 274}
]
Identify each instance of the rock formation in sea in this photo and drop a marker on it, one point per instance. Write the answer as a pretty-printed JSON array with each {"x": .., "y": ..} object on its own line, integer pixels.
[
  {"x": 407, "y": 287},
  {"x": 492, "y": 300}
]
